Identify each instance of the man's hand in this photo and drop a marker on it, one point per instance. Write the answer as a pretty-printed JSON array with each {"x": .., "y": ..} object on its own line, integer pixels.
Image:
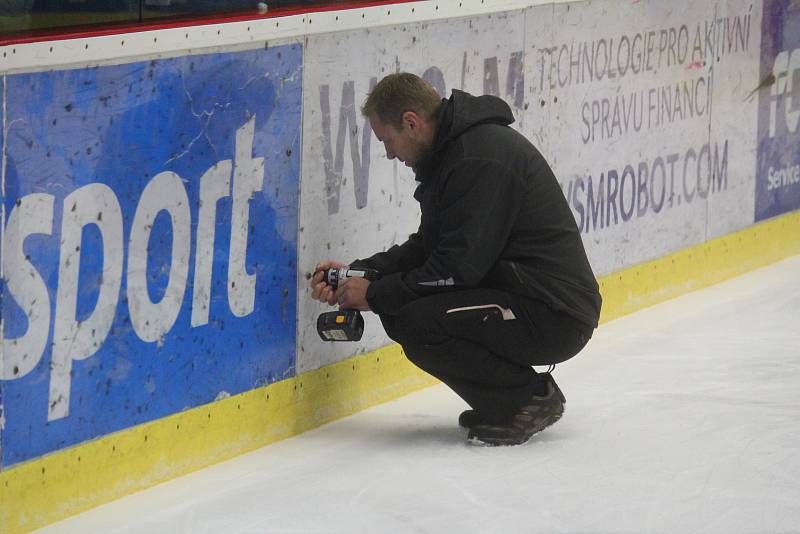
[
  {"x": 352, "y": 294},
  {"x": 320, "y": 290}
]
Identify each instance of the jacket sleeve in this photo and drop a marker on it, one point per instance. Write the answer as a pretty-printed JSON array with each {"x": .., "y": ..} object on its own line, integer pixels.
[
  {"x": 478, "y": 206},
  {"x": 399, "y": 258}
]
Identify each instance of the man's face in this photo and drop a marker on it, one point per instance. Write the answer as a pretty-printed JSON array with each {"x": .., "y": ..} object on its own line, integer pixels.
[{"x": 410, "y": 144}]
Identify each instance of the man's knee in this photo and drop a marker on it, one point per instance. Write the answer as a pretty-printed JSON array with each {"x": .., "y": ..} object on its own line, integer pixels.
[
  {"x": 417, "y": 325},
  {"x": 416, "y": 330},
  {"x": 418, "y": 356}
]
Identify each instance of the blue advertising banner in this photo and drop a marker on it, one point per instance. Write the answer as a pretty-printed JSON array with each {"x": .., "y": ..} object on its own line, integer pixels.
[
  {"x": 778, "y": 171},
  {"x": 150, "y": 243}
]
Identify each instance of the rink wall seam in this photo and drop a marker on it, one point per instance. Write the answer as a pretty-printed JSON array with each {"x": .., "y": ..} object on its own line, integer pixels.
[{"x": 67, "y": 482}]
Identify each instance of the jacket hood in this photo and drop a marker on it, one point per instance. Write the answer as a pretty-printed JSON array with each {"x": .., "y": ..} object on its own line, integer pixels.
[
  {"x": 462, "y": 111},
  {"x": 458, "y": 114}
]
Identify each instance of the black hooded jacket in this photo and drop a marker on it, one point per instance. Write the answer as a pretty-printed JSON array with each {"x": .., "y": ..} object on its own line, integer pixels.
[{"x": 493, "y": 215}]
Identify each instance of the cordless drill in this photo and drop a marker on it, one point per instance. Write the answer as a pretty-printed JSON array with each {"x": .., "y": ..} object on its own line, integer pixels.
[{"x": 343, "y": 325}]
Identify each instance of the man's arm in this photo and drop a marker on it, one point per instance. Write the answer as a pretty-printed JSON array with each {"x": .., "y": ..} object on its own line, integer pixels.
[{"x": 399, "y": 258}]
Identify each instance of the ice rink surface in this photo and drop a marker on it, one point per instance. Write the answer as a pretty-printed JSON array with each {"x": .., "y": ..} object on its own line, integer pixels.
[{"x": 684, "y": 417}]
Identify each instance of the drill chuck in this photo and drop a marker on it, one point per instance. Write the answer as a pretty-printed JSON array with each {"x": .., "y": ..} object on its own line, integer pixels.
[{"x": 333, "y": 277}]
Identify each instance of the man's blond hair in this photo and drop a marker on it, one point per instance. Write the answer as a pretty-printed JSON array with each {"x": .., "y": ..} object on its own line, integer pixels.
[{"x": 398, "y": 93}]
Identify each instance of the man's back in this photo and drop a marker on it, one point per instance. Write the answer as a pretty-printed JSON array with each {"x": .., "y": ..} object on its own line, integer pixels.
[{"x": 484, "y": 169}]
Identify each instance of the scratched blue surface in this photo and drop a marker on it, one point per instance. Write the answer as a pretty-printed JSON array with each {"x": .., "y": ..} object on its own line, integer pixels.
[
  {"x": 120, "y": 126},
  {"x": 780, "y": 33}
]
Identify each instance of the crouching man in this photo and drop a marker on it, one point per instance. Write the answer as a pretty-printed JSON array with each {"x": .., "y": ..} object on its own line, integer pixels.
[{"x": 496, "y": 279}]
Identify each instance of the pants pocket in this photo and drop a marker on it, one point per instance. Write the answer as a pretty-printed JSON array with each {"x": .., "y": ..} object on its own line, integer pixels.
[{"x": 507, "y": 314}]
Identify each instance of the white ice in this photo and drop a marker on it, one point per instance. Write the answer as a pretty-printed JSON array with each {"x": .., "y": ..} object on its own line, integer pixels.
[{"x": 684, "y": 417}]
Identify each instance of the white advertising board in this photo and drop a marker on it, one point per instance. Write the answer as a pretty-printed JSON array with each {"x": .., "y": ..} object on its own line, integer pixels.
[
  {"x": 644, "y": 110},
  {"x": 354, "y": 201},
  {"x": 734, "y": 117},
  {"x": 650, "y": 122}
]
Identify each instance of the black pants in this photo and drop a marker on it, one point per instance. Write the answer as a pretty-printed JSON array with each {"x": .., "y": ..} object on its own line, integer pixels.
[{"x": 483, "y": 342}]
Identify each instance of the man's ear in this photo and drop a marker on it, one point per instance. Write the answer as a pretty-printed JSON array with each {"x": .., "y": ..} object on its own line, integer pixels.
[{"x": 411, "y": 119}]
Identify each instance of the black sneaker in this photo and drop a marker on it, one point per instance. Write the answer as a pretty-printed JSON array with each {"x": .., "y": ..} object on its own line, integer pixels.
[
  {"x": 538, "y": 414},
  {"x": 470, "y": 418}
]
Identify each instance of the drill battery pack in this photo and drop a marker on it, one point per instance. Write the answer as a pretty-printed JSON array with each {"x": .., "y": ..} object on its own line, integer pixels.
[{"x": 342, "y": 325}]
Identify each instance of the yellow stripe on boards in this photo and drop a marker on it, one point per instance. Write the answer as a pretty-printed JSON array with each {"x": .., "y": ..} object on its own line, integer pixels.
[
  {"x": 67, "y": 482},
  {"x": 700, "y": 266}
]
